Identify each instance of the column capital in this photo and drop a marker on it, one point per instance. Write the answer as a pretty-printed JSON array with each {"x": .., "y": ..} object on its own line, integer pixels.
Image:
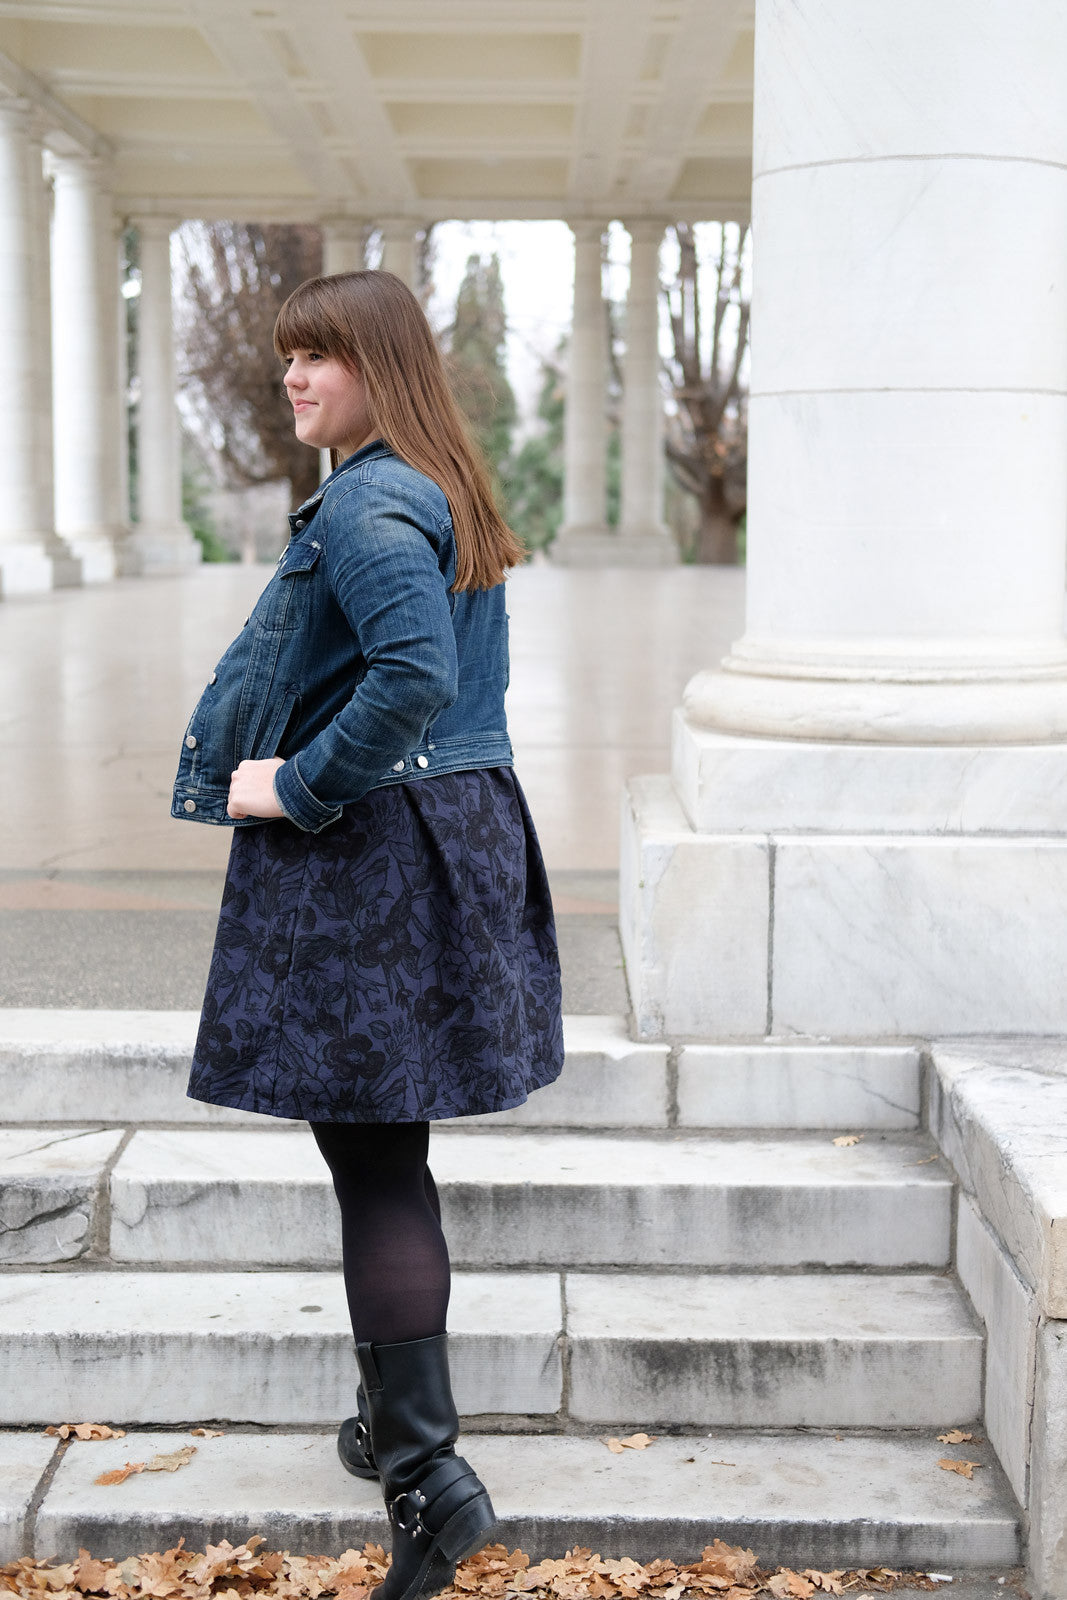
[
  {"x": 151, "y": 226},
  {"x": 345, "y": 227},
  {"x": 586, "y": 228},
  {"x": 16, "y": 112},
  {"x": 645, "y": 230}
]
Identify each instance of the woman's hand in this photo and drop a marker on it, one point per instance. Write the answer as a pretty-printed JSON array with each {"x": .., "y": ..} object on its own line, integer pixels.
[{"x": 252, "y": 789}]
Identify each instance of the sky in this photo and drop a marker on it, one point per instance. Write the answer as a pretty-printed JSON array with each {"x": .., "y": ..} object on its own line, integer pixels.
[{"x": 537, "y": 264}]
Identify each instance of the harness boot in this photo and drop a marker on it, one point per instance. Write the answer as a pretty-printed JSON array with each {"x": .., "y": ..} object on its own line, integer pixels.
[
  {"x": 353, "y": 1441},
  {"x": 439, "y": 1511}
]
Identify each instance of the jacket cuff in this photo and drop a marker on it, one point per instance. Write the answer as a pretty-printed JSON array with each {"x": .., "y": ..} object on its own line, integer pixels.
[{"x": 298, "y": 802}]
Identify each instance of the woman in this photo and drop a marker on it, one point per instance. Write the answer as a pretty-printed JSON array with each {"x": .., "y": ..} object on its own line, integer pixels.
[{"x": 386, "y": 952}]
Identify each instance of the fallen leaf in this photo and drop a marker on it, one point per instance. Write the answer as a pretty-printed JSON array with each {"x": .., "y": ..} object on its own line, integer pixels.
[
  {"x": 638, "y": 1441},
  {"x": 726, "y": 1561},
  {"x": 84, "y": 1430},
  {"x": 845, "y": 1139},
  {"x": 964, "y": 1468},
  {"x": 615, "y": 1446},
  {"x": 206, "y": 1433},
  {"x": 120, "y": 1474},
  {"x": 955, "y": 1436},
  {"x": 89, "y": 1575},
  {"x": 785, "y": 1584},
  {"x": 171, "y": 1460},
  {"x": 830, "y": 1582}
]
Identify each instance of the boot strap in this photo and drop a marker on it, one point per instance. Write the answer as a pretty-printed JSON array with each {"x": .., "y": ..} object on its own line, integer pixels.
[{"x": 413, "y": 1502}]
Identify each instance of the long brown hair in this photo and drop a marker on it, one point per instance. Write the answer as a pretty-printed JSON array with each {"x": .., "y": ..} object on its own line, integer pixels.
[{"x": 371, "y": 322}]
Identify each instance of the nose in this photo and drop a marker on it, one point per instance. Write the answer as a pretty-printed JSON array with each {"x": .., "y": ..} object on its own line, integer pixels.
[{"x": 294, "y": 378}]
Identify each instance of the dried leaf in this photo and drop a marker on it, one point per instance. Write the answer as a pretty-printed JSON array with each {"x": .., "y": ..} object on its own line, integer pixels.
[
  {"x": 845, "y": 1139},
  {"x": 964, "y": 1468},
  {"x": 171, "y": 1460},
  {"x": 955, "y": 1436},
  {"x": 84, "y": 1430},
  {"x": 726, "y": 1561},
  {"x": 615, "y": 1446},
  {"x": 829, "y": 1582},
  {"x": 785, "y": 1584},
  {"x": 120, "y": 1474},
  {"x": 206, "y": 1433}
]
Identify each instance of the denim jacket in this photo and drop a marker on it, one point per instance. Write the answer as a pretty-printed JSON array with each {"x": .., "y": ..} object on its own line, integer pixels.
[{"x": 358, "y": 665}]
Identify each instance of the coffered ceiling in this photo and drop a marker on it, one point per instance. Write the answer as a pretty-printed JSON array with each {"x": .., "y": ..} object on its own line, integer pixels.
[{"x": 398, "y": 108}]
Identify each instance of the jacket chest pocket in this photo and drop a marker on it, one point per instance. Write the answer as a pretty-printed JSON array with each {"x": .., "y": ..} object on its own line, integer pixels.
[{"x": 284, "y": 603}]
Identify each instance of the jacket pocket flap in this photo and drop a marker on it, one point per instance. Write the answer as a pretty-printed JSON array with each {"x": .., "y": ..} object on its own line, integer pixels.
[{"x": 299, "y": 557}]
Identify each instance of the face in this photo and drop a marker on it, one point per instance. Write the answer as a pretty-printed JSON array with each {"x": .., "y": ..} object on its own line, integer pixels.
[{"x": 329, "y": 402}]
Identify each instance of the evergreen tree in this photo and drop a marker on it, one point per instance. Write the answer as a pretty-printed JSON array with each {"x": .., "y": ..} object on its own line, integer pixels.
[
  {"x": 477, "y": 358},
  {"x": 534, "y": 479}
]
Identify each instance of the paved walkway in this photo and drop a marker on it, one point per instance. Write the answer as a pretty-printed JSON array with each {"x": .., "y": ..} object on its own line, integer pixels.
[{"x": 106, "y": 901}]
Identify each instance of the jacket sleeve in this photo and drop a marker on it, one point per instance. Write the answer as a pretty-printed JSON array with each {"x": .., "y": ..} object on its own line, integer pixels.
[{"x": 382, "y": 565}]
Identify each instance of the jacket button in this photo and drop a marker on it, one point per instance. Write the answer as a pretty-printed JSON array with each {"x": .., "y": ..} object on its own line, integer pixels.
[
  {"x": 398, "y": 766},
  {"x": 422, "y": 761},
  {"x": 190, "y": 805},
  {"x": 190, "y": 741},
  {"x": 214, "y": 678}
]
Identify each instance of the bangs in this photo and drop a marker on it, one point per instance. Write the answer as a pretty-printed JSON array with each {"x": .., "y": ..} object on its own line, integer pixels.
[{"x": 308, "y": 321}]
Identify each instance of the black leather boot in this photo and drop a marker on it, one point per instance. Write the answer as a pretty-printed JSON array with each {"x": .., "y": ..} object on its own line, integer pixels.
[
  {"x": 439, "y": 1511},
  {"x": 353, "y": 1442}
]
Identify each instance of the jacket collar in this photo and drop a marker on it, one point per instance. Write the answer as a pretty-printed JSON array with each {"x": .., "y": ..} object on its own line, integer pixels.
[{"x": 376, "y": 447}]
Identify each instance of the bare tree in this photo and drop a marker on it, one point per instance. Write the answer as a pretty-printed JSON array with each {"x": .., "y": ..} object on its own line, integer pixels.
[
  {"x": 237, "y": 276},
  {"x": 707, "y": 434}
]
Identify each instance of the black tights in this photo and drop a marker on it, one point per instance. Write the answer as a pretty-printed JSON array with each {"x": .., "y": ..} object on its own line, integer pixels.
[{"x": 395, "y": 1257}]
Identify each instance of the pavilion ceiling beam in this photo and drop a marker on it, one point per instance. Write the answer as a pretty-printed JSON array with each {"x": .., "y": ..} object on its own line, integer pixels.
[
  {"x": 696, "y": 56},
  {"x": 612, "y": 54},
  {"x": 235, "y": 35},
  {"x": 16, "y": 81},
  {"x": 327, "y": 44}
]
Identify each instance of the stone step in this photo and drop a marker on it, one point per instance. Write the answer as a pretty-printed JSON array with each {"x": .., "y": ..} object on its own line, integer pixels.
[
  {"x": 132, "y": 1066},
  {"x": 822, "y": 1350},
  {"x": 213, "y": 1197},
  {"x": 796, "y": 1499}
]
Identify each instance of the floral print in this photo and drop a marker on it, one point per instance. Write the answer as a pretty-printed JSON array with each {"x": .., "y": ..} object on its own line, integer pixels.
[{"x": 400, "y": 966}]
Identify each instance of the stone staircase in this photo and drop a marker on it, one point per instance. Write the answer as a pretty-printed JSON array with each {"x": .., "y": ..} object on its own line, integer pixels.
[{"x": 667, "y": 1240}]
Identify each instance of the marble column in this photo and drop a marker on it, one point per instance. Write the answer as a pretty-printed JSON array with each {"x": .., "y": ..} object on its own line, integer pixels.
[
  {"x": 584, "y": 538},
  {"x": 160, "y": 541},
  {"x": 875, "y": 780},
  {"x": 66, "y": 566},
  {"x": 85, "y": 422},
  {"x": 398, "y": 249},
  {"x": 343, "y": 244},
  {"x": 25, "y": 565},
  {"x": 644, "y": 538}
]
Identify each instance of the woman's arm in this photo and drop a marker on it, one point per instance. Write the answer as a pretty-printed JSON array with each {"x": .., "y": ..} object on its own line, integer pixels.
[{"x": 382, "y": 563}]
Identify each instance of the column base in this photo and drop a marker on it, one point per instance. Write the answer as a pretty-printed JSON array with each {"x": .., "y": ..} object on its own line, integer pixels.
[
  {"x": 97, "y": 553},
  {"x": 730, "y": 783},
  {"x": 910, "y": 932},
  {"x": 25, "y": 568},
  {"x": 601, "y": 547},
  {"x": 1009, "y": 703},
  {"x": 67, "y": 571},
  {"x": 157, "y": 551}
]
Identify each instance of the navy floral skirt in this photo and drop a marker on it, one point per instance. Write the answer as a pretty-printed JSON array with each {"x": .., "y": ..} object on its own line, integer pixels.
[{"x": 399, "y": 966}]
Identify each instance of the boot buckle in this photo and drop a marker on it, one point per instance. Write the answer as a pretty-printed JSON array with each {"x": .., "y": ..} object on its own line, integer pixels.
[{"x": 416, "y": 1525}]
